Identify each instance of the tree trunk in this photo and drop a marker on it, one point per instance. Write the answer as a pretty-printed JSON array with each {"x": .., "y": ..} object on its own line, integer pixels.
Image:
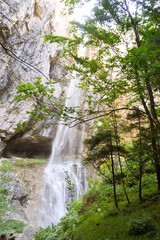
[
  {"x": 152, "y": 102},
  {"x": 113, "y": 176},
  {"x": 154, "y": 132},
  {"x": 140, "y": 161},
  {"x": 153, "y": 118},
  {"x": 119, "y": 159},
  {"x": 157, "y": 166},
  {"x": 155, "y": 153}
]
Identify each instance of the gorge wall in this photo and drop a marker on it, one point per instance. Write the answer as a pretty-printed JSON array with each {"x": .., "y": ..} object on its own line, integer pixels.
[{"x": 24, "y": 56}]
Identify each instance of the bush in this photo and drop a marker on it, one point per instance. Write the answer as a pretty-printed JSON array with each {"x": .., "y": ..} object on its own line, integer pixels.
[
  {"x": 3, "y": 201},
  {"x": 141, "y": 226},
  {"x": 11, "y": 226},
  {"x": 45, "y": 234},
  {"x": 65, "y": 227}
]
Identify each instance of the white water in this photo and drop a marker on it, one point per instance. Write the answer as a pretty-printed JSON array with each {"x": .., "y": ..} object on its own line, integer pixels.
[{"x": 66, "y": 149}]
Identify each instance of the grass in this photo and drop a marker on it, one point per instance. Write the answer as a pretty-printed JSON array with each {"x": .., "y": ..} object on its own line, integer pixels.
[
  {"x": 96, "y": 218},
  {"x": 6, "y": 166},
  {"x": 101, "y": 226},
  {"x": 29, "y": 162},
  {"x": 6, "y": 179},
  {"x": 106, "y": 222}
]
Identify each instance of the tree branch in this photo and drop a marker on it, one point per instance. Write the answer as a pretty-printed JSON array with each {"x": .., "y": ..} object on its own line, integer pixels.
[
  {"x": 14, "y": 56},
  {"x": 83, "y": 120}
]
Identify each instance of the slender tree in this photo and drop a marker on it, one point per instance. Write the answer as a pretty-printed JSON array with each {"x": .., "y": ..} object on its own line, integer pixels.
[
  {"x": 103, "y": 148},
  {"x": 119, "y": 156},
  {"x": 136, "y": 115}
]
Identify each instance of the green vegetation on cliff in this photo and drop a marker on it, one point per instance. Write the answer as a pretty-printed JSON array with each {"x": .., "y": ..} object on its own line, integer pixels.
[
  {"x": 10, "y": 225},
  {"x": 7, "y": 224}
]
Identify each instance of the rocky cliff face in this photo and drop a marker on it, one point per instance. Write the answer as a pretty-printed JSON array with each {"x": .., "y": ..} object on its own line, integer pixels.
[
  {"x": 22, "y": 181},
  {"x": 24, "y": 56}
]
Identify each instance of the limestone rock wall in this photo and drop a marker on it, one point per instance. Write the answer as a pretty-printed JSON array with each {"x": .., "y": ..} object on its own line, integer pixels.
[
  {"x": 24, "y": 56},
  {"x": 22, "y": 182}
]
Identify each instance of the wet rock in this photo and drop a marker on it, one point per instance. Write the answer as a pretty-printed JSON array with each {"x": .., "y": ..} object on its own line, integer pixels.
[
  {"x": 27, "y": 233},
  {"x": 20, "y": 194}
]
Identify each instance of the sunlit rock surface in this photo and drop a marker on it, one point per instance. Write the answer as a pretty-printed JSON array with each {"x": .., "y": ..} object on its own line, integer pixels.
[{"x": 23, "y": 23}]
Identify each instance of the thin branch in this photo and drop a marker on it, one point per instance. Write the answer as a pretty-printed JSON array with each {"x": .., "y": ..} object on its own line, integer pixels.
[
  {"x": 134, "y": 24},
  {"x": 11, "y": 22},
  {"x": 97, "y": 169},
  {"x": 13, "y": 55},
  {"x": 101, "y": 115}
]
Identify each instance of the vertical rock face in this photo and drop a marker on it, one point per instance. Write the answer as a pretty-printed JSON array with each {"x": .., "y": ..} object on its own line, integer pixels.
[
  {"x": 24, "y": 56},
  {"x": 22, "y": 183}
]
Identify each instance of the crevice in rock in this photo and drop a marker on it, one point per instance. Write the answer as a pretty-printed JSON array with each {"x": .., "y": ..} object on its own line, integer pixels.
[
  {"x": 28, "y": 144},
  {"x": 38, "y": 11},
  {"x": 57, "y": 72},
  {"x": 4, "y": 33},
  {"x": 23, "y": 200}
]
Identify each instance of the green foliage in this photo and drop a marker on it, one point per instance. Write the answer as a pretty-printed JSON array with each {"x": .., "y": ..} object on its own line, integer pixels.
[
  {"x": 70, "y": 185},
  {"x": 125, "y": 62},
  {"x": 142, "y": 226},
  {"x": 6, "y": 166},
  {"x": 101, "y": 216},
  {"x": 45, "y": 234},
  {"x": 29, "y": 162},
  {"x": 47, "y": 106},
  {"x": 94, "y": 216},
  {"x": 136, "y": 68},
  {"x": 102, "y": 143},
  {"x": 11, "y": 226},
  {"x": 64, "y": 229},
  {"x": 3, "y": 201},
  {"x": 111, "y": 26},
  {"x": 32, "y": 90},
  {"x": 6, "y": 179},
  {"x": 136, "y": 74},
  {"x": 60, "y": 39},
  {"x": 22, "y": 126}
]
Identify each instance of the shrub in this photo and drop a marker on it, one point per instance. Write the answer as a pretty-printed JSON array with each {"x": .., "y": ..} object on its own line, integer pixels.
[
  {"x": 3, "y": 201},
  {"x": 11, "y": 226},
  {"x": 141, "y": 226},
  {"x": 45, "y": 234}
]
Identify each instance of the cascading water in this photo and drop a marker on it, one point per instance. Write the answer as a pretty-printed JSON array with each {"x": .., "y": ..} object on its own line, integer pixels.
[{"x": 66, "y": 150}]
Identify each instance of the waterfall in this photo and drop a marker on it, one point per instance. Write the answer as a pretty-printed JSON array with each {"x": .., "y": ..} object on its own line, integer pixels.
[{"x": 65, "y": 157}]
